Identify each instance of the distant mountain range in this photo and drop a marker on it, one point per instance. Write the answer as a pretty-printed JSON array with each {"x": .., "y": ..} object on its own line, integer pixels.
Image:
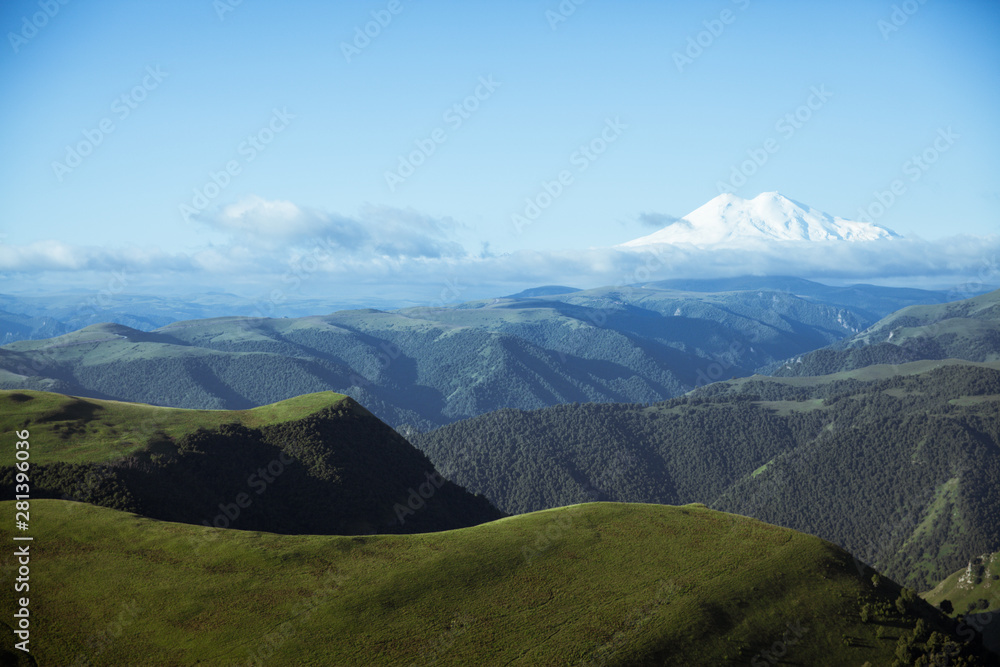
[
  {"x": 45, "y": 316},
  {"x": 967, "y": 329},
  {"x": 768, "y": 217},
  {"x": 428, "y": 367}
]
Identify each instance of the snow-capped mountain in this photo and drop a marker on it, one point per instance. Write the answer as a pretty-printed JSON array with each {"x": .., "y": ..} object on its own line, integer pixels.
[{"x": 732, "y": 220}]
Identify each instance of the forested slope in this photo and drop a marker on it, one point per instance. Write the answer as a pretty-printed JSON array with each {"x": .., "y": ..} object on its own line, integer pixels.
[{"x": 904, "y": 471}]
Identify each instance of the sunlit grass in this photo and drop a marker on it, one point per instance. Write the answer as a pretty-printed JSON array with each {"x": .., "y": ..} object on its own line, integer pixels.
[
  {"x": 602, "y": 582},
  {"x": 87, "y": 430}
]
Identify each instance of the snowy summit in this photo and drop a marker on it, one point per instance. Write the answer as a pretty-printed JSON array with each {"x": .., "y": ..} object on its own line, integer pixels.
[{"x": 732, "y": 220}]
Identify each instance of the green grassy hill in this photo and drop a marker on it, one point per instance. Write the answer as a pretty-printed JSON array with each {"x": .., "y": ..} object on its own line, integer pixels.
[
  {"x": 900, "y": 465},
  {"x": 969, "y": 587},
  {"x": 595, "y": 584},
  {"x": 318, "y": 463},
  {"x": 71, "y": 429}
]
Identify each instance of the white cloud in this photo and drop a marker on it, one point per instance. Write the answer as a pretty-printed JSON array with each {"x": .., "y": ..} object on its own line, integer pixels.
[
  {"x": 269, "y": 219},
  {"x": 377, "y": 230},
  {"x": 54, "y": 255},
  {"x": 279, "y": 245}
]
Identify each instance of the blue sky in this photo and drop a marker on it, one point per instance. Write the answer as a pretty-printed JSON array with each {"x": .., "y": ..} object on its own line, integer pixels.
[{"x": 310, "y": 130}]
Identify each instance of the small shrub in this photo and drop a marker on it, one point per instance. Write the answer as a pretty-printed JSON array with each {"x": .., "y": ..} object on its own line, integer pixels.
[{"x": 901, "y": 606}]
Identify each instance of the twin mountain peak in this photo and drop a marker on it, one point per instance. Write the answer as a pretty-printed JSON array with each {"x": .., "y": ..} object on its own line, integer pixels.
[{"x": 730, "y": 220}]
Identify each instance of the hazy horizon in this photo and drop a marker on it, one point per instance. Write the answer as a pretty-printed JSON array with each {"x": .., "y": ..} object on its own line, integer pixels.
[{"x": 389, "y": 152}]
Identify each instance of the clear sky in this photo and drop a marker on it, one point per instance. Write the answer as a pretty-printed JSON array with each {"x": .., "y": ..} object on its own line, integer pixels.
[{"x": 115, "y": 113}]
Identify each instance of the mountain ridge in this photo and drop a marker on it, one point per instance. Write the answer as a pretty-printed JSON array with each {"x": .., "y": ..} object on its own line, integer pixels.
[
  {"x": 428, "y": 367},
  {"x": 968, "y": 329},
  {"x": 319, "y": 464}
]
